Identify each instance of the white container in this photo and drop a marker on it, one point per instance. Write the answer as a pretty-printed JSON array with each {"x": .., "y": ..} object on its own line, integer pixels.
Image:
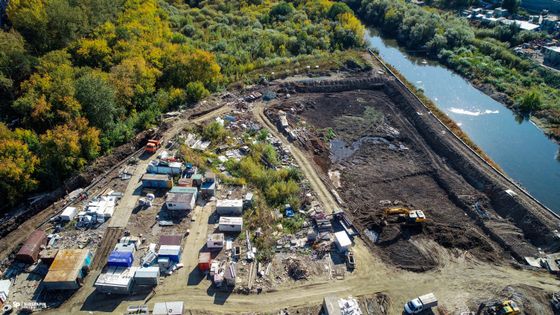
[{"x": 68, "y": 214}]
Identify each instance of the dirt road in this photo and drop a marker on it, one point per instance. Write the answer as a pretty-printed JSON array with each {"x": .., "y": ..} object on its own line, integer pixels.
[
  {"x": 317, "y": 184},
  {"x": 458, "y": 278}
]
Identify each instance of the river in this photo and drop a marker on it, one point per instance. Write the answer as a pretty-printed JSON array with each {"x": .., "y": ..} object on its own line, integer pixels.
[{"x": 521, "y": 149}]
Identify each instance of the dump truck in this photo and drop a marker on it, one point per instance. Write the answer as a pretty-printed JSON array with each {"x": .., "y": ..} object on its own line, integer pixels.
[
  {"x": 405, "y": 215},
  {"x": 152, "y": 146},
  {"x": 421, "y": 303}
]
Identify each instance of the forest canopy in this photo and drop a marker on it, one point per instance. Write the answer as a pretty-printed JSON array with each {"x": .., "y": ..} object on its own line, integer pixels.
[{"x": 79, "y": 77}]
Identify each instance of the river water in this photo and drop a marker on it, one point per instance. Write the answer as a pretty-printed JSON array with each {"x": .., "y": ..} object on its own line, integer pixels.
[{"x": 519, "y": 147}]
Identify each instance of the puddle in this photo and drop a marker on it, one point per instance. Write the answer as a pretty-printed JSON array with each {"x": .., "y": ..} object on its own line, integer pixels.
[{"x": 341, "y": 151}]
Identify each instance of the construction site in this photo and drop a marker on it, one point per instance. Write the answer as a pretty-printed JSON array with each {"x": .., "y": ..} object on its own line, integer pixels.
[{"x": 334, "y": 194}]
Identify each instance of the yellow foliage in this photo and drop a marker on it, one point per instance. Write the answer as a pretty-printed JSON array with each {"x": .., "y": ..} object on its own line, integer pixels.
[{"x": 349, "y": 22}]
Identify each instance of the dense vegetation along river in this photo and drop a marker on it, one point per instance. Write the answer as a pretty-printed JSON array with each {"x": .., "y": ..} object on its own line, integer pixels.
[{"x": 520, "y": 148}]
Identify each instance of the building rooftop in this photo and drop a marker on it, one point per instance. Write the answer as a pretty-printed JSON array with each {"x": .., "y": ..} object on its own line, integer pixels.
[
  {"x": 231, "y": 220},
  {"x": 149, "y": 176},
  {"x": 180, "y": 197},
  {"x": 229, "y": 203},
  {"x": 67, "y": 265}
]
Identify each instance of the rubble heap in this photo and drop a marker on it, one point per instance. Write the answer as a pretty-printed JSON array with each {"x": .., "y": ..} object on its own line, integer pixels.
[{"x": 296, "y": 269}]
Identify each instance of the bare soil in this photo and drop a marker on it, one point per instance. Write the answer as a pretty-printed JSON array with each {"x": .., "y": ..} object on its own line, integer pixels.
[{"x": 383, "y": 162}]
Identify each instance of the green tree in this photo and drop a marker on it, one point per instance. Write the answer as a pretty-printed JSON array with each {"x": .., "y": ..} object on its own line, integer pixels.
[
  {"x": 281, "y": 10},
  {"x": 531, "y": 101},
  {"x": 97, "y": 98},
  {"x": 196, "y": 91},
  {"x": 338, "y": 8},
  {"x": 511, "y": 5}
]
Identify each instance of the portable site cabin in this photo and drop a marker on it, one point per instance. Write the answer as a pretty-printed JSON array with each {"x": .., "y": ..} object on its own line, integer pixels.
[
  {"x": 68, "y": 269},
  {"x": 148, "y": 276},
  {"x": 204, "y": 261},
  {"x": 342, "y": 241},
  {"x": 180, "y": 201},
  {"x": 68, "y": 214},
  {"x": 215, "y": 241},
  {"x": 120, "y": 259},
  {"x": 229, "y": 207},
  {"x": 116, "y": 280},
  {"x": 184, "y": 190},
  {"x": 30, "y": 250},
  {"x": 171, "y": 252},
  {"x": 163, "y": 167},
  {"x": 230, "y": 224},
  {"x": 156, "y": 181},
  {"x": 168, "y": 308}
]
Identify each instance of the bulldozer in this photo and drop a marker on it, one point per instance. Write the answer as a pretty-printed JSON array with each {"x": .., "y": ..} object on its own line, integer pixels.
[{"x": 404, "y": 214}]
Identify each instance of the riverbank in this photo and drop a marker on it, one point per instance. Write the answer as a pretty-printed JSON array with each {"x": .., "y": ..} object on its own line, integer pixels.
[
  {"x": 519, "y": 147},
  {"x": 482, "y": 56}
]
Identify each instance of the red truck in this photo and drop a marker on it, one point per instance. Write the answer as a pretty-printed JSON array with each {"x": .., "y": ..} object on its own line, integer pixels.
[{"x": 152, "y": 146}]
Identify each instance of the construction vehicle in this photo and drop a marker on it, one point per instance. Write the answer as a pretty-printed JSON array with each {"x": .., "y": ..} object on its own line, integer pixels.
[
  {"x": 404, "y": 214},
  {"x": 152, "y": 146},
  {"x": 421, "y": 304},
  {"x": 507, "y": 307}
]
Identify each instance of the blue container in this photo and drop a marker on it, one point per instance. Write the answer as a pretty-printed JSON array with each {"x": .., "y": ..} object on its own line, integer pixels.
[{"x": 120, "y": 259}]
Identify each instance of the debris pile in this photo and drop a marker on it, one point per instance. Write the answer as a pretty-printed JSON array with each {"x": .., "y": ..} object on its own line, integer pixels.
[{"x": 296, "y": 269}]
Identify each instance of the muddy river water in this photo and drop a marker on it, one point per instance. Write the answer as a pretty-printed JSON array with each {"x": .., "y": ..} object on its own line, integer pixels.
[{"x": 518, "y": 146}]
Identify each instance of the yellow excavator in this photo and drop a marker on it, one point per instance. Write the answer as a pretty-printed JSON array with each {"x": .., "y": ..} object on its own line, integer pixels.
[
  {"x": 406, "y": 215},
  {"x": 507, "y": 307}
]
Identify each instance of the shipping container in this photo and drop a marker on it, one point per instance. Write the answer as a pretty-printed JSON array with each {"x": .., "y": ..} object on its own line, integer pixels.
[
  {"x": 29, "y": 252},
  {"x": 204, "y": 261},
  {"x": 156, "y": 181},
  {"x": 120, "y": 259},
  {"x": 147, "y": 276},
  {"x": 162, "y": 167}
]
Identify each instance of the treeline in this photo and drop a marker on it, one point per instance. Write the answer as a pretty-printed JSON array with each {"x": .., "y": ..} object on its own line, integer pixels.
[
  {"x": 483, "y": 55},
  {"x": 78, "y": 77},
  {"x": 246, "y": 35}
]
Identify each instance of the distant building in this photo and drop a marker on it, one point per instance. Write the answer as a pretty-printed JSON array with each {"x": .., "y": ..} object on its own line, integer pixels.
[{"x": 552, "y": 56}]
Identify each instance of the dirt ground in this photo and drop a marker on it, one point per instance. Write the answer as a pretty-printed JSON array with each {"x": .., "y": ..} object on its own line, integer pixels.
[{"x": 379, "y": 162}]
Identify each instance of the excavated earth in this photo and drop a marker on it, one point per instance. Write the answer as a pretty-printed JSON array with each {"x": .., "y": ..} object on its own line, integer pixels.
[{"x": 381, "y": 159}]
